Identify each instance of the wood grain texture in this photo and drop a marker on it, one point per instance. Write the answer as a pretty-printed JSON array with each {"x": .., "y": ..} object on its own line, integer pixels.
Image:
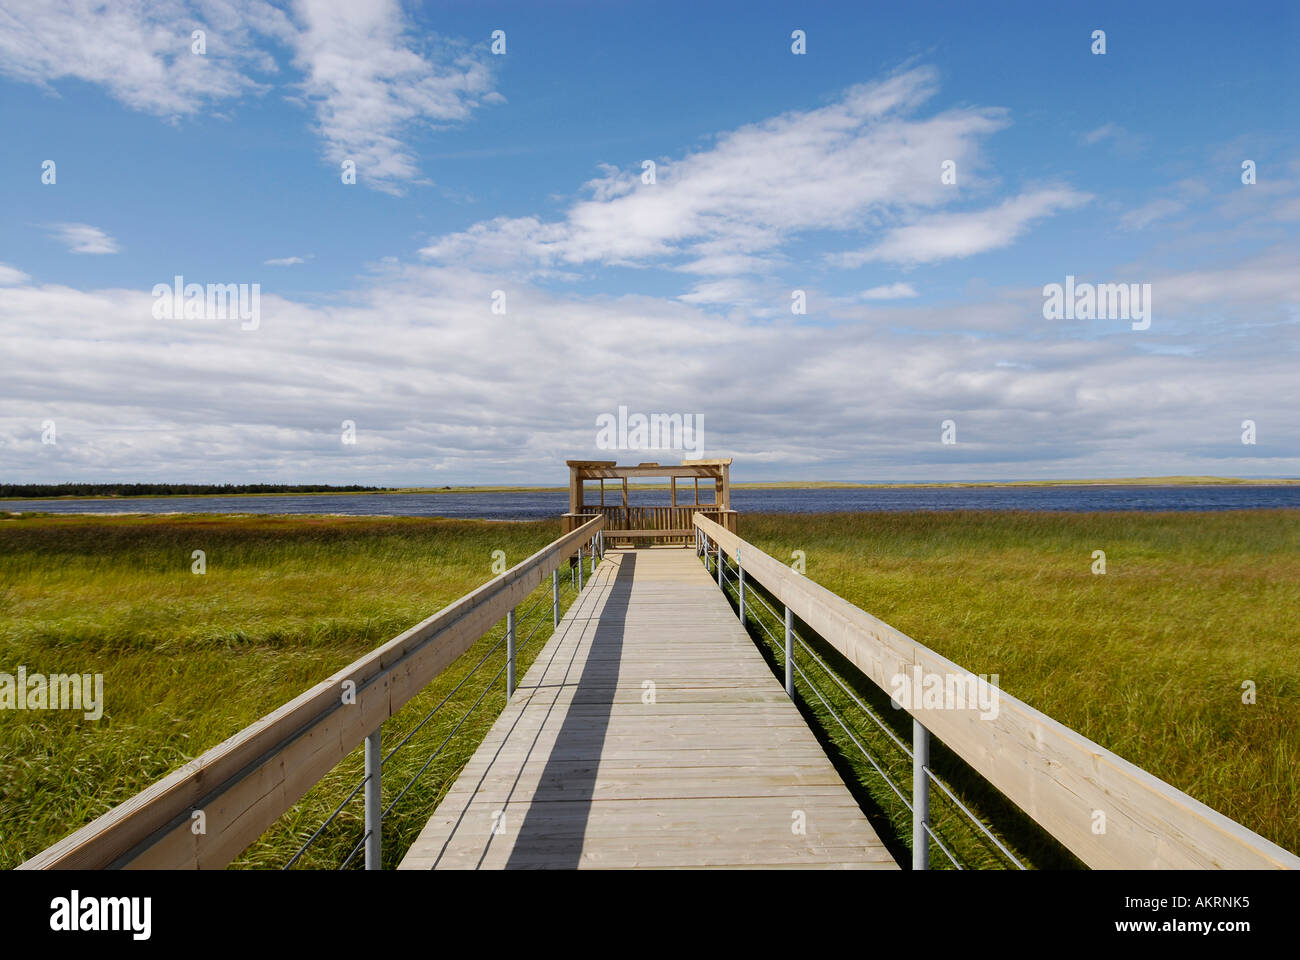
[
  {"x": 1056, "y": 775},
  {"x": 245, "y": 783},
  {"x": 586, "y": 769}
]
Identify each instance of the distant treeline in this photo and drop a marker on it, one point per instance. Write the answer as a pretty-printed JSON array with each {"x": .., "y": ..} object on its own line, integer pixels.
[{"x": 14, "y": 490}]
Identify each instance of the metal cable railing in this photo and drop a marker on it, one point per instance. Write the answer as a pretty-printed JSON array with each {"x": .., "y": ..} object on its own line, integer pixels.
[
  {"x": 729, "y": 580},
  {"x": 463, "y": 718},
  {"x": 365, "y": 779},
  {"x": 883, "y": 728},
  {"x": 974, "y": 820},
  {"x": 562, "y": 588}
]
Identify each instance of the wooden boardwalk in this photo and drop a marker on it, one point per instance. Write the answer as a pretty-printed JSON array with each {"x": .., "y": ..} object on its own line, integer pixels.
[{"x": 649, "y": 732}]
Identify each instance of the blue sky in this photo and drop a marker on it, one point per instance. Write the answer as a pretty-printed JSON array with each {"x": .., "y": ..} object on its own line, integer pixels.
[{"x": 522, "y": 173}]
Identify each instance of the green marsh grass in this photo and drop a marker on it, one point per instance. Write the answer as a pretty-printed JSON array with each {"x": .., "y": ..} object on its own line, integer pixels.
[
  {"x": 1148, "y": 659},
  {"x": 189, "y": 660}
]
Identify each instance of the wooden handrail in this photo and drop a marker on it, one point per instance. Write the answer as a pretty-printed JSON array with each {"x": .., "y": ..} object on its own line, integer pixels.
[
  {"x": 1056, "y": 775},
  {"x": 244, "y": 784}
]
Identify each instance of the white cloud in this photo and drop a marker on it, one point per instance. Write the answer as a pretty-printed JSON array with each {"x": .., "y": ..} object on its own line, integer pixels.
[
  {"x": 10, "y": 276},
  {"x": 726, "y": 209},
  {"x": 139, "y": 52},
  {"x": 1105, "y": 132},
  {"x": 452, "y": 390},
  {"x": 730, "y": 290},
  {"x": 368, "y": 83},
  {"x": 1238, "y": 290},
  {"x": 285, "y": 261},
  {"x": 1122, "y": 142},
  {"x": 727, "y": 264},
  {"x": 893, "y": 291},
  {"x": 1147, "y": 214},
  {"x": 363, "y": 76},
  {"x": 953, "y": 235},
  {"x": 1288, "y": 210},
  {"x": 83, "y": 238},
  {"x": 1273, "y": 199}
]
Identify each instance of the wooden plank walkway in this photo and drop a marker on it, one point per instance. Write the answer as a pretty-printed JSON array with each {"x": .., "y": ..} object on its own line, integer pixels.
[{"x": 579, "y": 771}]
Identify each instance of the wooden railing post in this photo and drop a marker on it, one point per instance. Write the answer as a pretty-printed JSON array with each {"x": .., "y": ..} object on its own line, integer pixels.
[
  {"x": 1055, "y": 775},
  {"x": 246, "y": 783}
]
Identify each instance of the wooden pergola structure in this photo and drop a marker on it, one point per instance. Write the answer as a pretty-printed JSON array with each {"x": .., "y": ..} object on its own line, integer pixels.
[{"x": 664, "y": 524}]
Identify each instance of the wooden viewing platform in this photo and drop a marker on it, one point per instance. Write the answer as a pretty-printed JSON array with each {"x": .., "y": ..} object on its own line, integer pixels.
[
  {"x": 673, "y": 522},
  {"x": 580, "y": 771}
]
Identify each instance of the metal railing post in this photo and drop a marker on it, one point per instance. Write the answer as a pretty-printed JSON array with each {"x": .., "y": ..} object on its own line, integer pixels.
[
  {"x": 593, "y": 559},
  {"x": 719, "y": 565},
  {"x": 920, "y": 796},
  {"x": 510, "y": 652},
  {"x": 373, "y": 799},
  {"x": 740, "y": 579},
  {"x": 555, "y": 597},
  {"x": 789, "y": 653},
  {"x": 579, "y": 568}
]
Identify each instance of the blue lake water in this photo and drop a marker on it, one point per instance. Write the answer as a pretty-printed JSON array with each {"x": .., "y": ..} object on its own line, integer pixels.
[{"x": 551, "y": 503}]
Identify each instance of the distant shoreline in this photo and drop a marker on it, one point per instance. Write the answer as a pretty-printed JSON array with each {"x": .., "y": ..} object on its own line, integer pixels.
[{"x": 1174, "y": 481}]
